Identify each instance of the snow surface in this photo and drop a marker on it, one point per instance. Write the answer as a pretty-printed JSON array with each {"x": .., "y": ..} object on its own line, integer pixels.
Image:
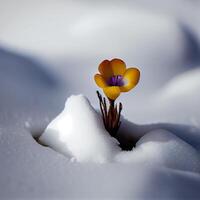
[
  {"x": 77, "y": 131},
  {"x": 160, "y": 147},
  {"x": 180, "y": 98},
  {"x": 176, "y": 102}
]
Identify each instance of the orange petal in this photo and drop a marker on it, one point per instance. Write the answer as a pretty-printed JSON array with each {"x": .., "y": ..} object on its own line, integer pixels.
[
  {"x": 105, "y": 69},
  {"x": 131, "y": 78},
  {"x": 112, "y": 92},
  {"x": 100, "y": 81},
  {"x": 112, "y": 68},
  {"x": 118, "y": 66}
]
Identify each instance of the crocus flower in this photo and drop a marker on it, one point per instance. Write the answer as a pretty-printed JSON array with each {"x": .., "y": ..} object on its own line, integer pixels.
[{"x": 114, "y": 78}]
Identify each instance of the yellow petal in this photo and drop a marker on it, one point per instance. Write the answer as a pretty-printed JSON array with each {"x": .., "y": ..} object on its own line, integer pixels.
[
  {"x": 112, "y": 92},
  {"x": 100, "y": 81},
  {"x": 131, "y": 78},
  {"x": 112, "y": 68},
  {"x": 118, "y": 66}
]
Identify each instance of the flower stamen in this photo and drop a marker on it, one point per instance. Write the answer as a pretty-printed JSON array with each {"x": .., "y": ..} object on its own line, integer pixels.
[{"x": 115, "y": 81}]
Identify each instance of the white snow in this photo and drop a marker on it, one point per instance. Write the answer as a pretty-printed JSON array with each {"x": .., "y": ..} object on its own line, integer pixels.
[
  {"x": 78, "y": 131},
  {"x": 184, "y": 85},
  {"x": 178, "y": 101},
  {"x": 160, "y": 147},
  {"x": 161, "y": 38}
]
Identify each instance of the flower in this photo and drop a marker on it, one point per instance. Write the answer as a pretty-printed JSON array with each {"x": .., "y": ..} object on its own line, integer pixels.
[{"x": 114, "y": 78}]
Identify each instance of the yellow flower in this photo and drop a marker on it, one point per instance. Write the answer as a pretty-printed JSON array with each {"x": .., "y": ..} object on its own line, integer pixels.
[{"x": 114, "y": 78}]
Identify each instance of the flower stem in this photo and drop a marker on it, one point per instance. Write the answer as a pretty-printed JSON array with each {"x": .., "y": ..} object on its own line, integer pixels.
[
  {"x": 111, "y": 117},
  {"x": 112, "y": 103}
]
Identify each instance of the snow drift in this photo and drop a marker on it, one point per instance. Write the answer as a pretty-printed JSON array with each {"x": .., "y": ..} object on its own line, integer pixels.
[
  {"x": 78, "y": 133},
  {"x": 178, "y": 101},
  {"x": 160, "y": 147}
]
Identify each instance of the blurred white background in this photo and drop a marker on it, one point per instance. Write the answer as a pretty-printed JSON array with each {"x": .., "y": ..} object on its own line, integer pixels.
[{"x": 70, "y": 39}]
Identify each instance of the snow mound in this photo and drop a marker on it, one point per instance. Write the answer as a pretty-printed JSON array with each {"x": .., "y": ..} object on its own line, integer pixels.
[
  {"x": 178, "y": 101},
  {"x": 183, "y": 85},
  {"x": 78, "y": 132},
  {"x": 161, "y": 147}
]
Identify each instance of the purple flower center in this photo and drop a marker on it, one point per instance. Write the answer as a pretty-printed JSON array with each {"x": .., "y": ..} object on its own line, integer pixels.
[{"x": 116, "y": 81}]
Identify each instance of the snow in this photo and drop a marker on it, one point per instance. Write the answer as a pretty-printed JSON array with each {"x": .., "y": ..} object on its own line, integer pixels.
[
  {"x": 179, "y": 99},
  {"x": 185, "y": 84},
  {"x": 161, "y": 38},
  {"x": 160, "y": 147},
  {"x": 78, "y": 131}
]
